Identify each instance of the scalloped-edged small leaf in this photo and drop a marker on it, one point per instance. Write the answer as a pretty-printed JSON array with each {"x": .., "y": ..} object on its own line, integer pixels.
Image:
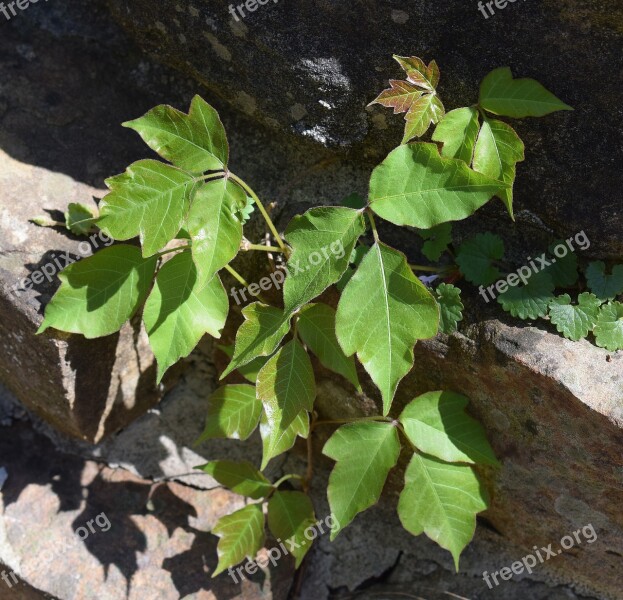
[
  {"x": 286, "y": 384},
  {"x": 450, "y": 307},
  {"x": 248, "y": 371},
  {"x": 603, "y": 285},
  {"x": 80, "y": 219},
  {"x": 497, "y": 151},
  {"x": 100, "y": 293},
  {"x": 400, "y": 96},
  {"x": 215, "y": 231},
  {"x": 264, "y": 327},
  {"x": 276, "y": 441},
  {"x": 233, "y": 413},
  {"x": 383, "y": 311},
  {"x": 289, "y": 515},
  {"x": 365, "y": 452},
  {"x": 416, "y": 186},
  {"x": 239, "y": 477},
  {"x": 437, "y": 241},
  {"x": 442, "y": 501},
  {"x": 180, "y": 311},
  {"x": 426, "y": 77},
  {"x": 322, "y": 240},
  {"x": 316, "y": 326},
  {"x": 574, "y": 322},
  {"x": 609, "y": 328},
  {"x": 150, "y": 201},
  {"x": 242, "y": 536},
  {"x": 529, "y": 301},
  {"x": 458, "y": 131},
  {"x": 437, "y": 424},
  {"x": 476, "y": 255},
  {"x": 503, "y": 95},
  {"x": 426, "y": 110},
  {"x": 194, "y": 142}
]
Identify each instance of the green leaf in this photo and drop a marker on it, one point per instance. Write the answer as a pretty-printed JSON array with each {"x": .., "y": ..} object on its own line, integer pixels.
[
  {"x": 276, "y": 441},
  {"x": 260, "y": 334},
  {"x": 418, "y": 73},
  {"x": 195, "y": 142},
  {"x": 355, "y": 260},
  {"x": 529, "y": 301},
  {"x": 316, "y": 325},
  {"x": 286, "y": 384},
  {"x": 100, "y": 293},
  {"x": 400, "y": 96},
  {"x": 609, "y": 328},
  {"x": 149, "y": 200},
  {"x": 289, "y": 515},
  {"x": 503, "y": 95},
  {"x": 242, "y": 536},
  {"x": 365, "y": 452},
  {"x": 383, "y": 311},
  {"x": 415, "y": 186},
  {"x": 233, "y": 412},
  {"x": 250, "y": 370},
  {"x": 244, "y": 213},
  {"x": 604, "y": 286},
  {"x": 450, "y": 307},
  {"x": 458, "y": 131},
  {"x": 437, "y": 424},
  {"x": 239, "y": 477},
  {"x": 437, "y": 241},
  {"x": 180, "y": 311},
  {"x": 475, "y": 258},
  {"x": 215, "y": 231},
  {"x": 574, "y": 322},
  {"x": 79, "y": 218},
  {"x": 322, "y": 240},
  {"x": 497, "y": 151},
  {"x": 441, "y": 500},
  {"x": 564, "y": 272},
  {"x": 425, "y": 110}
]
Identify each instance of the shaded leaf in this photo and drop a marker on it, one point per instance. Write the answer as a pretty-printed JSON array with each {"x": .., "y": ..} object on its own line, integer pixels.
[
  {"x": 609, "y": 328},
  {"x": 239, "y": 477},
  {"x": 250, "y": 370},
  {"x": 574, "y": 322},
  {"x": 100, "y": 293},
  {"x": 604, "y": 286},
  {"x": 365, "y": 452},
  {"x": 475, "y": 258},
  {"x": 458, "y": 131},
  {"x": 437, "y": 241},
  {"x": 276, "y": 440},
  {"x": 450, "y": 307},
  {"x": 564, "y": 271}
]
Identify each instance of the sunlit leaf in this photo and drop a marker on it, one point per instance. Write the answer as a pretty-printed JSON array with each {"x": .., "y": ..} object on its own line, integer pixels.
[
  {"x": 276, "y": 440},
  {"x": 609, "y": 328},
  {"x": 239, "y": 477},
  {"x": 450, "y": 307},
  {"x": 458, "y": 131}
]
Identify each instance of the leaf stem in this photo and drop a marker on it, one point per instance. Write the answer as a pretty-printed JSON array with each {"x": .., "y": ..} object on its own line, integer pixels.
[
  {"x": 267, "y": 218},
  {"x": 428, "y": 269},
  {"x": 375, "y": 233},
  {"x": 239, "y": 278},
  {"x": 176, "y": 249},
  {"x": 261, "y": 248},
  {"x": 285, "y": 478},
  {"x": 217, "y": 175}
]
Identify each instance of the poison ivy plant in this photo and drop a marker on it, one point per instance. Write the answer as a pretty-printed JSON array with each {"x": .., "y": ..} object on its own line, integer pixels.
[{"x": 347, "y": 297}]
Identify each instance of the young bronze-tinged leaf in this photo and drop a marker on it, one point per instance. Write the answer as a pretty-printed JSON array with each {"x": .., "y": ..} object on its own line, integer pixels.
[
  {"x": 425, "y": 110},
  {"x": 437, "y": 241},
  {"x": 239, "y": 477},
  {"x": 416, "y": 186},
  {"x": 476, "y": 255},
  {"x": 441, "y": 500},
  {"x": 276, "y": 440},
  {"x": 195, "y": 142},
  {"x": 286, "y": 384},
  {"x": 450, "y": 307},
  {"x": 418, "y": 73},
  {"x": 149, "y": 200},
  {"x": 215, "y": 231},
  {"x": 289, "y": 515},
  {"x": 79, "y": 219},
  {"x": 609, "y": 328},
  {"x": 529, "y": 301},
  {"x": 400, "y": 96},
  {"x": 260, "y": 334},
  {"x": 458, "y": 131},
  {"x": 503, "y": 95},
  {"x": 497, "y": 151},
  {"x": 316, "y": 325},
  {"x": 574, "y": 322},
  {"x": 233, "y": 412},
  {"x": 383, "y": 311},
  {"x": 100, "y": 293},
  {"x": 242, "y": 536},
  {"x": 365, "y": 452},
  {"x": 604, "y": 286},
  {"x": 322, "y": 240},
  {"x": 437, "y": 424},
  {"x": 180, "y": 311}
]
